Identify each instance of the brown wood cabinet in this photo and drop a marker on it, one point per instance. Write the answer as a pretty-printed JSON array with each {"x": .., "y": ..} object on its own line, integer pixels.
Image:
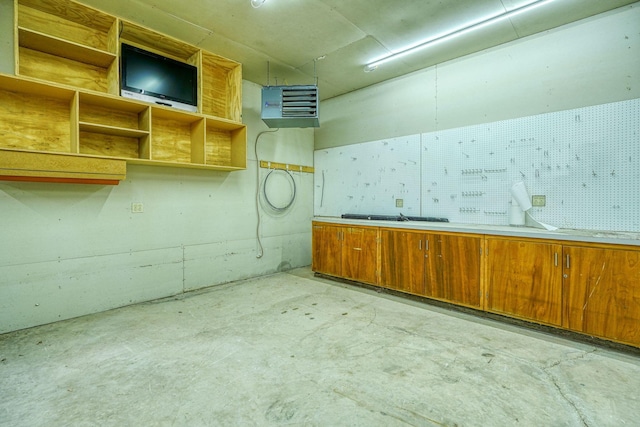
[
  {"x": 524, "y": 279},
  {"x": 403, "y": 260},
  {"x": 442, "y": 266},
  {"x": 360, "y": 254},
  {"x": 327, "y": 249},
  {"x": 602, "y": 292},
  {"x": 590, "y": 288},
  {"x": 458, "y": 259},
  {"x": 345, "y": 251}
]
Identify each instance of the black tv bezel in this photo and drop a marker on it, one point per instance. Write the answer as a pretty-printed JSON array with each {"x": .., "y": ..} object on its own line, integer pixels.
[{"x": 124, "y": 51}]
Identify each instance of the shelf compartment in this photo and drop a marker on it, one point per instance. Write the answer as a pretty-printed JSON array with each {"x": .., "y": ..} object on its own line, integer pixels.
[
  {"x": 45, "y": 66},
  {"x": 114, "y": 112},
  {"x": 177, "y": 136},
  {"x": 65, "y": 49},
  {"x": 69, "y": 21},
  {"x": 106, "y": 144},
  {"x": 225, "y": 144},
  {"x": 113, "y": 127},
  {"x": 221, "y": 87},
  {"x": 32, "y": 121},
  {"x": 150, "y": 40},
  {"x": 67, "y": 43}
]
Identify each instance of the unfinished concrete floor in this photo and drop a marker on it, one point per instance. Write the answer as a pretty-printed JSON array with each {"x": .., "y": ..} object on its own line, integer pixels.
[{"x": 290, "y": 349}]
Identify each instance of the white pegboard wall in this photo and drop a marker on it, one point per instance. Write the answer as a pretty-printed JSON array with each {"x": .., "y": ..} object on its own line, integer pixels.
[
  {"x": 367, "y": 178},
  {"x": 585, "y": 161}
]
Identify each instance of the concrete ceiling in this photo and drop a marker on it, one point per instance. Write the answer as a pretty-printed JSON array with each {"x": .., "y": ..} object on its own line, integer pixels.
[{"x": 292, "y": 35}]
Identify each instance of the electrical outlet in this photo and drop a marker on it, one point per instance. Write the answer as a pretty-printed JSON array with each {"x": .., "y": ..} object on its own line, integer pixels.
[
  {"x": 137, "y": 207},
  {"x": 539, "y": 201},
  {"x": 399, "y": 203}
]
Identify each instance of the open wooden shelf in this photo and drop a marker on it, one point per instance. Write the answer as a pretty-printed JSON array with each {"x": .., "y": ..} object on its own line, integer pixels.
[
  {"x": 41, "y": 42},
  {"x": 150, "y": 40},
  {"x": 44, "y": 120},
  {"x": 67, "y": 43},
  {"x": 69, "y": 20},
  {"x": 226, "y": 144},
  {"x": 221, "y": 86}
]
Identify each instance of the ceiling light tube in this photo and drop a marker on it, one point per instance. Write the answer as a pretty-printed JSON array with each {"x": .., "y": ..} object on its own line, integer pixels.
[{"x": 490, "y": 21}]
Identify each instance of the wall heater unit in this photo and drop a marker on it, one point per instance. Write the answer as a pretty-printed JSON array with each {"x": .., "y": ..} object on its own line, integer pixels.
[{"x": 290, "y": 106}]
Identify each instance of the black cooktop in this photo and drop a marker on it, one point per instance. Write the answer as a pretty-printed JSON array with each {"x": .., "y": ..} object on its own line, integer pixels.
[{"x": 394, "y": 218}]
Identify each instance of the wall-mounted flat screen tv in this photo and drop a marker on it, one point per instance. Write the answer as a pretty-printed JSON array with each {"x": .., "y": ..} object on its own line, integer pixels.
[{"x": 154, "y": 78}]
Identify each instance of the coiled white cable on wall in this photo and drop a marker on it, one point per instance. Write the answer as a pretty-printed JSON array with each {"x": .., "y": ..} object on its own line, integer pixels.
[
  {"x": 286, "y": 205},
  {"x": 255, "y": 149}
]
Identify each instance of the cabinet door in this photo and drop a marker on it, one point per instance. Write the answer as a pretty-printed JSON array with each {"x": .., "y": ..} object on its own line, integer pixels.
[
  {"x": 360, "y": 254},
  {"x": 602, "y": 292},
  {"x": 524, "y": 280},
  {"x": 327, "y": 249},
  {"x": 457, "y": 260},
  {"x": 434, "y": 285},
  {"x": 402, "y": 258}
]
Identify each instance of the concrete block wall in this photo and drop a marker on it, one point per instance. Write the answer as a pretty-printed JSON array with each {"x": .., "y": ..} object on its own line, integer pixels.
[{"x": 67, "y": 250}]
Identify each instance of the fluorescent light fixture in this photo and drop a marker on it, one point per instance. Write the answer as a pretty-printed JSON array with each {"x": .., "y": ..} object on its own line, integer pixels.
[
  {"x": 460, "y": 31},
  {"x": 257, "y": 3}
]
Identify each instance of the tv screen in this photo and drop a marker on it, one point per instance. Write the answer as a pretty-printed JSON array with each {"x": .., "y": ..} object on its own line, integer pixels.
[{"x": 155, "y": 78}]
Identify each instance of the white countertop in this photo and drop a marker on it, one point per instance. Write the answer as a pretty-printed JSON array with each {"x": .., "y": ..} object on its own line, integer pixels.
[{"x": 590, "y": 236}]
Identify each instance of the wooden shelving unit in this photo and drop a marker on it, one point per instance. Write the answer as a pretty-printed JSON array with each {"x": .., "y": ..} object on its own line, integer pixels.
[{"x": 64, "y": 96}]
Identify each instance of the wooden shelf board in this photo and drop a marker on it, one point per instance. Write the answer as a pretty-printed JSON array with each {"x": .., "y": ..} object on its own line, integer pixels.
[
  {"x": 224, "y": 124},
  {"x": 63, "y": 48},
  {"x": 23, "y": 85},
  {"x": 173, "y": 114},
  {"x": 184, "y": 165},
  {"x": 113, "y": 102},
  {"x": 59, "y": 180},
  {"x": 112, "y": 130},
  {"x": 38, "y": 166}
]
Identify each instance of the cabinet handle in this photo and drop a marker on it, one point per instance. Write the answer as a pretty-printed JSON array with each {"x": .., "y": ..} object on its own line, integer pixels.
[
  {"x": 555, "y": 259},
  {"x": 568, "y": 264},
  {"x": 420, "y": 244},
  {"x": 426, "y": 243}
]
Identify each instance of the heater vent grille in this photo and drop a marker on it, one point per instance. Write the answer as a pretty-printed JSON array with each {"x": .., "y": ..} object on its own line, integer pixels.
[
  {"x": 299, "y": 102},
  {"x": 290, "y": 106}
]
